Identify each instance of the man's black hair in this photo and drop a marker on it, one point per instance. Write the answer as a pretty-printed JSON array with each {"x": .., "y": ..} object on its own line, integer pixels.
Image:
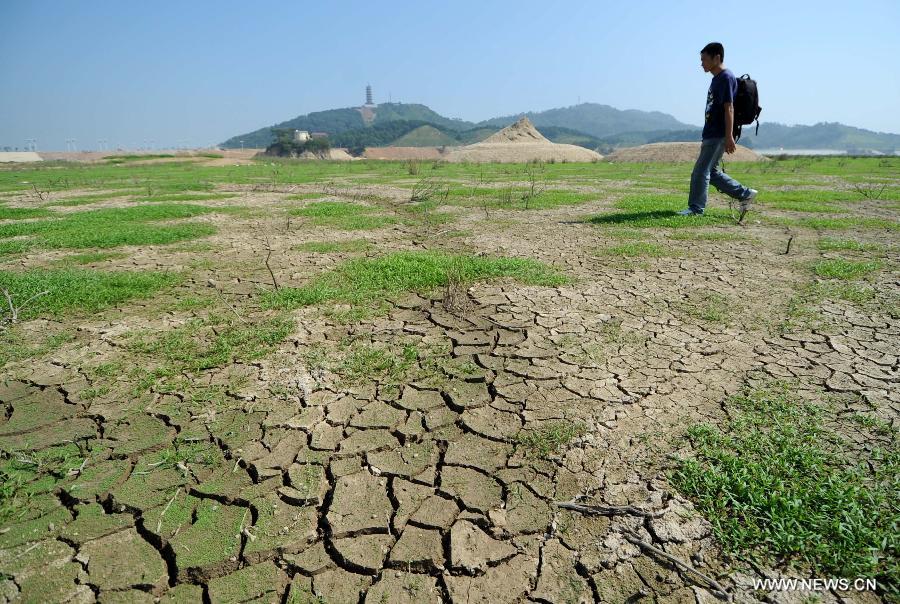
[{"x": 714, "y": 48}]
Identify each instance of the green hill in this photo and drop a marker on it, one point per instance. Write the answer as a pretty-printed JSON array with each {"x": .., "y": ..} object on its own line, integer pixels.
[
  {"x": 388, "y": 112},
  {"x": 337, "y": 121},
  {"x": 590, "y": 125},
  {"x": 824, "y": 135},
  {"x": 332, "y": 121},
  {"x": 607, "y": 144},
  {"x": 425, "y": 136}
]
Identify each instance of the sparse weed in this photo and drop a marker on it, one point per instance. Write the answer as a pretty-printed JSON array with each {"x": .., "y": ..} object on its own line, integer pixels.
[{"x": 550, "y": 438}]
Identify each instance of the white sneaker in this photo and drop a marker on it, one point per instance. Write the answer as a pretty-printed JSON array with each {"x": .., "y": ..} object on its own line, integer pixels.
[{"x": 747, "y": 202}]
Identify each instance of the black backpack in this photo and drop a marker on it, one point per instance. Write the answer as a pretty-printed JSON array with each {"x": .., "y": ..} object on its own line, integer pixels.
[{"x": 746, "y": 105}]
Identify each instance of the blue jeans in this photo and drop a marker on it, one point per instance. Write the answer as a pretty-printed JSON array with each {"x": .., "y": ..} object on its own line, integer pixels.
[{"x": 706, "y": 170}]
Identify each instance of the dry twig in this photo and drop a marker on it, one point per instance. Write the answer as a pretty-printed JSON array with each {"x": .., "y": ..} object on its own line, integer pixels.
[
  {"x": 715, "y": 586},
  {"x": 269, "y": 255},
  {"x": 15, "y": 310},
  {"x": 606, "y": 510}
]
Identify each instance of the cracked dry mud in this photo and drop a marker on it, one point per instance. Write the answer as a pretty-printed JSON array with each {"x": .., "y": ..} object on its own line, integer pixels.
[{"x": 422, "y": 491}]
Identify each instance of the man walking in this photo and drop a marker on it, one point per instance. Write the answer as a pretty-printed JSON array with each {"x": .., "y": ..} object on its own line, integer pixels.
[{"x": 718, "y": 137}]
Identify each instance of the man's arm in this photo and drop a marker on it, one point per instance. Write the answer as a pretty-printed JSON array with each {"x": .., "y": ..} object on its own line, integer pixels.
[{"x": 729, "y": 128}]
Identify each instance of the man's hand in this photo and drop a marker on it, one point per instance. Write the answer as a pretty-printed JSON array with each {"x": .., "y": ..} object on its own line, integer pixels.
[{"x": 729, "y": 128}]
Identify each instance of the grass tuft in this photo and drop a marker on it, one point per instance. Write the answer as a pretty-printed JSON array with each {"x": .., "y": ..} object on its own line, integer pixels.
[
  {"x": 14, "y": 246},
  {"x": 550, "y": 438},
  {"x": 78, "y": 289},
  {"x": 661, "y": 211},
  {"x": 343, "y": 215},
  {"x": 113, "y": 227},
  {"x": 829, "y": 244},
  {"x": 7, "y": 213},
  {"x": 777, "y": 484},
  {"x": 840, "y": 268},
  {"x": 213, "y": 342},
  {"x": 364, "y": 280}
]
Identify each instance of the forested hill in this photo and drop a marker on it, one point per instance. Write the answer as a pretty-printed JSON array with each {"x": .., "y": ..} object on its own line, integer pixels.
[
  {"x": 589, "y": 124},
  {"x": 336, "y": 121}
]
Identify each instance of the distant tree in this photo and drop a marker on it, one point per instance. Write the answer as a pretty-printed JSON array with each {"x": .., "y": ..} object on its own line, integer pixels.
[{"x": 286, "y": 146}]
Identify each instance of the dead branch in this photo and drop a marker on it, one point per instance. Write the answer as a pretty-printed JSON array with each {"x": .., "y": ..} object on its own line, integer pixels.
[
  {"x": 606, "y": 510},
  {"x": 41, "y": 195},
  {"x": 715, "y": 586},
  {"x": 870, "y": 191},
  {"x": 15, "y": 310},
  {"x": 787, "y": 250},
  {"x": 227, "y": 303},
  {"x": 428, "y": 187},
  {"x": 269, "y": 255}
]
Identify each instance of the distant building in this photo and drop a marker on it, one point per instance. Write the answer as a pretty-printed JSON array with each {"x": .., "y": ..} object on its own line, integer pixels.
[
  {"x": 301, "y": 136},
  {"x": 319, "y": 135},
  {"x": 367, "y": 111}
]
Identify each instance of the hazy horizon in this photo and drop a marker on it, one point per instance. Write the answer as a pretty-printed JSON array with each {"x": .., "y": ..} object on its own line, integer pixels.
[{"x": 196, "y": 74}]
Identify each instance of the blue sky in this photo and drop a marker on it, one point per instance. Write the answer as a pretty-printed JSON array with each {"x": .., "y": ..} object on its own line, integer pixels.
[{"x": 195, "y": 73}]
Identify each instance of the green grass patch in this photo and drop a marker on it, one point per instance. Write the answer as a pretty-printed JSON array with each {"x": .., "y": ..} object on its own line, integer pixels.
[
  {"x": 92, "y": 257},
  {"x": 14, "y": 246},
  {"x": 14, "y": 347},
  {"x": 212, "y": 342},
  {"x": 516, "y": 197},
  {"x": 803, "y": 206},
  {"x": 363, "y": 280},
  {"x": 184, "y": 197},
  {"x": 81, "y": 200},
  {"x": 777, "y": 484},
  {"x": 362, "y": 362},
  {"x": 113, "y": 227},
  {"x": 840, "y": 268},
  {"x": 343, "y": 215},
  {"x": 303, "y": 196},
  {"x": 550, "y": 438},
  {"x": 327, "y": 247},
  {"x": 660, "y": 211},
  {"x": 625, "y": 234},
  {"x": 696, "y": 235},
  {"x": 78, "y": 289},
  {"x": 829, "y": 244},
  {"x": 121, "y": 159},
  {"x": 838, "y": 224},
  {"x": 808, "y": 200},
  {"x": 7, "y": 213},
  {"x": 706, "y": 306},
  {"x": 553, "y": 198},
  {"x": 802, "y": 312}
]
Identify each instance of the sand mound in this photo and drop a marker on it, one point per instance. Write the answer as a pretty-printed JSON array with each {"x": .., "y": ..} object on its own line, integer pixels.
[
  {"x": 19, "y": 156},
  {"x": 675, "y": 152},
  {"x": 519, "y": 143},
  {"x": 522, "y": 131},
  {"x": 339, "y": 154}
]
